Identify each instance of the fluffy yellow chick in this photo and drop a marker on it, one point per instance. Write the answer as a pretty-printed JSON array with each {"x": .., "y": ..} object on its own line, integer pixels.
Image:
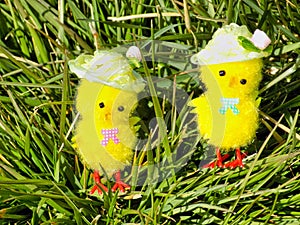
[
  {"x": 227, "y": 113},
  {"x": 104, "y": 134},
  {"x": 106, "y": 97}
]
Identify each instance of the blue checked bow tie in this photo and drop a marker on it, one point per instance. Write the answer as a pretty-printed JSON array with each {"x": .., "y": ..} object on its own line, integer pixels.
[{"x": 229, "y": 103}]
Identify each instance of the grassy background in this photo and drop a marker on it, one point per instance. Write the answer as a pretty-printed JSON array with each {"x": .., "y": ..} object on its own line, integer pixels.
[{"x": 43, "y": 182}]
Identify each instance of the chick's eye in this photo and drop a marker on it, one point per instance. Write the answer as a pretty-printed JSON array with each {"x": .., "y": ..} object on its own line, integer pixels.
[
  {"x": 243, "y": 81},
  {"x": 222, "y": 73},
  {"x": 101, "y": 105},
  {"x": 121, "y": 108}
]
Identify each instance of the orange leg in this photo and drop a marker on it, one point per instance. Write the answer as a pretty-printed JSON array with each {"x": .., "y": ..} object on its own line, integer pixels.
[
  {"x": 238, "y": 161},
  {"x": 98, "y": 185},
  {"x": 219, "y": 161},
  {"x": 119, "y": 184}
]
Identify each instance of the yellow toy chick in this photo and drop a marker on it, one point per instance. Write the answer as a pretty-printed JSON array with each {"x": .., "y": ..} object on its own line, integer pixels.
[
  {"x": 230, "y": 68},
  {"x": 106, "y": 96}
]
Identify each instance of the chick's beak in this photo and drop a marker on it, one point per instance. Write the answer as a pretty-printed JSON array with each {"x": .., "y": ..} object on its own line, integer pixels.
[
  {"x": 107, "y": 116},
  {"x": 232, "y": 82}
]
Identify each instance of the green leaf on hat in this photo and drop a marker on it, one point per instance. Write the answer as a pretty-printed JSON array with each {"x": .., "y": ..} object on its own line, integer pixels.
[{"x": 247, "y": 44}]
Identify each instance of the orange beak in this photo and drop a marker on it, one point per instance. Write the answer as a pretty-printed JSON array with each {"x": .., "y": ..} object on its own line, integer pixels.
[
  {"x": 107, "y": 116},
  {"x": 232, "y": 82}
]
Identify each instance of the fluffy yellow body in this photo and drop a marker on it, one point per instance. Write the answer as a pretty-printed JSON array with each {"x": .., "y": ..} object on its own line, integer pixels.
[
  {"x": 227, "y": 113},
  {"x": 104, "y": 136}
]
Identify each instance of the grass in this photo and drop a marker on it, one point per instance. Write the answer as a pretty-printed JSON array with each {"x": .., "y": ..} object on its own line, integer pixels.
[{"x": 42, "y": 180}]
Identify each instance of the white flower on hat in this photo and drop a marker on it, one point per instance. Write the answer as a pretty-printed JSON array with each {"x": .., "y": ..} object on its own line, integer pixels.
[{"x": 260, "y": 39}]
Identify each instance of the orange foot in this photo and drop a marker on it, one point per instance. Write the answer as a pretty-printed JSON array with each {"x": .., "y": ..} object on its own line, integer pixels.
[
  {"x": 218, "y": 162},
  {"x": 98, "y": 185},
  {"x": 101, "y": 187},
  {"x": 119, "y": 184},
  {"x": 238, "y": 161}
]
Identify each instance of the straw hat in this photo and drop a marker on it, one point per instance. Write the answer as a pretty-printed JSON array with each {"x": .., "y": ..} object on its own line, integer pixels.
[
  {"x": 109, "y": 68},
  {"x": 233, "y": 43}
]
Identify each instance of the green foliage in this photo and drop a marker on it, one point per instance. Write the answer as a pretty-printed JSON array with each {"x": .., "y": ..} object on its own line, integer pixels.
[{"x": 43, "y": 182}]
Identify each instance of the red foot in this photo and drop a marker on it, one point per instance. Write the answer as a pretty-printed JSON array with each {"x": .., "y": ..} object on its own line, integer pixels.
[
  {"x": 218, "y": 162},
  {"x": 98, "y": 185},
  {"x": 119, "y": 184},
  {"x": 238, "y": 161}
]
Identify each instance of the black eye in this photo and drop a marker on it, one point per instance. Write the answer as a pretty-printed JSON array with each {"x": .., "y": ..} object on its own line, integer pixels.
[
  {"x": 101, "y": 105},
  {"x": 243, "y": 81},
  {"x": 222, "y": 72},
  {"x": 121, "y": 108}
]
